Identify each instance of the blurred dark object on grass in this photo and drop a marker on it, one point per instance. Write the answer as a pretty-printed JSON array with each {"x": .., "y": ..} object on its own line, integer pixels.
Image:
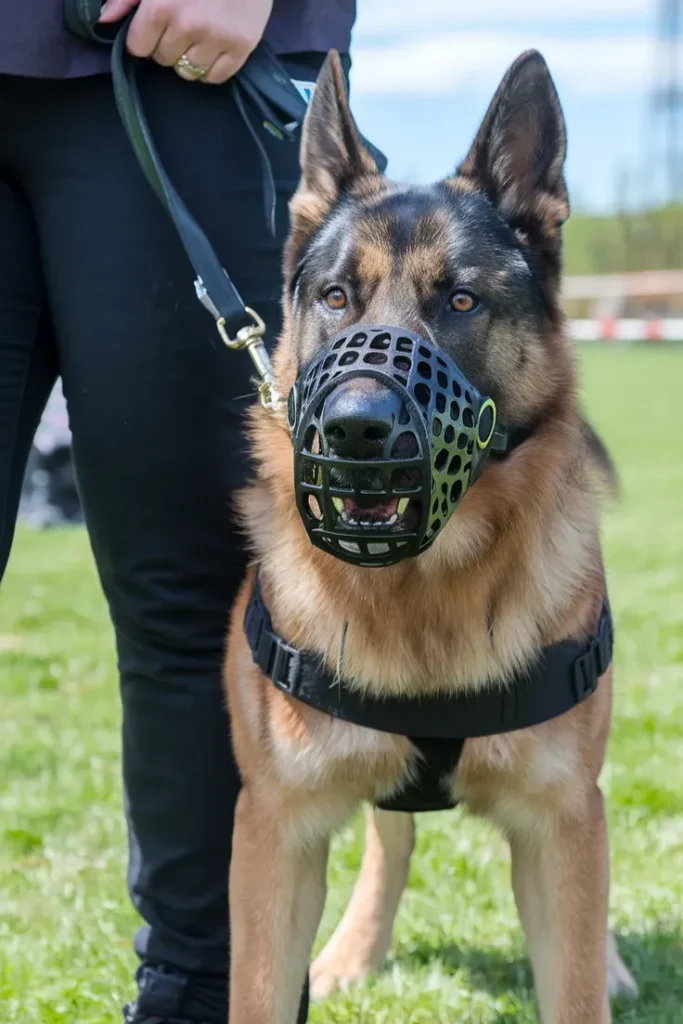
[{"x": 49, "y": 494}]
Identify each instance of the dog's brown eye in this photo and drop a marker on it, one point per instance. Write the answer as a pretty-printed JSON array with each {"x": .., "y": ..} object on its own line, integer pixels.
[
  {"x": 463, "y": 302},
  {"x": 336, "y": 298}
]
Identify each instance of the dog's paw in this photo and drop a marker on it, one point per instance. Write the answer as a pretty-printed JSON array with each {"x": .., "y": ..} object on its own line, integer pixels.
[
  {"x": 329, "y": 973},
  {"x": 620, "y": 981}
]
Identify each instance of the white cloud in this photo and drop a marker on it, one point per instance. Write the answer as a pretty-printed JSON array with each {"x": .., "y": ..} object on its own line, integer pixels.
[
  {"x": 449, "y": 61},
  {"x": 387, "y": 17}
]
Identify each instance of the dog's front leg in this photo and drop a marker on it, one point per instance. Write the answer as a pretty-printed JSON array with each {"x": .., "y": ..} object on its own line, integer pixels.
[
  {"x": 277, "y": 892},
  {"x": 560, "y": 876},
  {"x": 363, "y": 936}
]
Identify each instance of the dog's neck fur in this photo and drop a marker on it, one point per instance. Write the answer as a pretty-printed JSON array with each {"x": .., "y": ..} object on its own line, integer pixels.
[{"x": 518, "y": 567}]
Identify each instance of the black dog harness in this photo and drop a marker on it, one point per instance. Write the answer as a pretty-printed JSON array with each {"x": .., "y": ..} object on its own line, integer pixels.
[{"x": 438, "y": 724}]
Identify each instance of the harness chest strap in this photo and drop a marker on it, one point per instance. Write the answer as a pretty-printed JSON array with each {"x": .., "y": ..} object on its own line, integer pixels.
[{"x": 565, "y": 674}]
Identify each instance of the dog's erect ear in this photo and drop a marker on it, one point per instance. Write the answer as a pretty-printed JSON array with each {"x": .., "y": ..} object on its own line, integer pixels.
[
  {"x": 518, "y": 155},
  {"x": 334, "y": 159}
]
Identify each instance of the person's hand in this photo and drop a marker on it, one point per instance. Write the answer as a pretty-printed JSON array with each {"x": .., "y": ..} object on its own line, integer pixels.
[{"x": 213, "y": 36}]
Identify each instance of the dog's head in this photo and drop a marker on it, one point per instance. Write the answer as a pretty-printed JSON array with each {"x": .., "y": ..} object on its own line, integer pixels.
[{"x": 471, "y": 263}]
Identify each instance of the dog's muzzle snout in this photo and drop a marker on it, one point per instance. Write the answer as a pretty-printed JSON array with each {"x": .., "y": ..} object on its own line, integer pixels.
[
  {"x": 388, "y": 434},
  {"x": 357, "y": 418}
]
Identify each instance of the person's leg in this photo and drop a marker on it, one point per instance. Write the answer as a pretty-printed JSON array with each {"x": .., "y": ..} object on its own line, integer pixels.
[
  {"x": 156, "y": 405},
  {"x": 27, "y": 354}
]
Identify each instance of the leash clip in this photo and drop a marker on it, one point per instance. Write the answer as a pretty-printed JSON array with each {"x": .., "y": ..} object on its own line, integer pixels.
[
  {"x": 248, "y": 335},
  {"x": 251, "y": 337}
]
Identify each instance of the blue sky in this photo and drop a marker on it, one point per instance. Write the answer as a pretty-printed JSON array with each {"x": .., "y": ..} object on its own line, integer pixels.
[{"x": 424, "y": 71}]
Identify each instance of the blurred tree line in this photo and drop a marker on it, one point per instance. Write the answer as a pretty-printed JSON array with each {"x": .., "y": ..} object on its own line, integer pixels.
[{"x": 647, "y": 240}]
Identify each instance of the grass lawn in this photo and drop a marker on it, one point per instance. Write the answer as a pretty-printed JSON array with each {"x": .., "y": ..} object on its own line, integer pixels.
[{"x": 65, "y": 922}]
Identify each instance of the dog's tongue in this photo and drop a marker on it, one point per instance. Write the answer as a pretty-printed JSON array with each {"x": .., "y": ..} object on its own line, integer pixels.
[{"x": 378, "y": 511}]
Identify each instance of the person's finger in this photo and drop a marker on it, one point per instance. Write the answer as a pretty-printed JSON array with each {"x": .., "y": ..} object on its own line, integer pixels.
[
  {"x": 223, "y": 68},
  {"x": 115, "y": 10},
  {"x": 172, "y": 45},
  {"x": 200, "y": 55},
  {"x": 226, "y": 65},
  {"x": 146, "y": 29}
]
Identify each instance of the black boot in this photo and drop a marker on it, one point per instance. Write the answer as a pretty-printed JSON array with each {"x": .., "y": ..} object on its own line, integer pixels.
[{"x": 166, "y": 997}]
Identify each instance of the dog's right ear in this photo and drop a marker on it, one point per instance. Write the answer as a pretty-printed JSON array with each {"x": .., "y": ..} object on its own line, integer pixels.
[{"x": 334, "y": 159}]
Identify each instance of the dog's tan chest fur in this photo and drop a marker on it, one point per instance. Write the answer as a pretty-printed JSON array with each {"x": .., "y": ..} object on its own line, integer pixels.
[{"x": 467, "y": 613}]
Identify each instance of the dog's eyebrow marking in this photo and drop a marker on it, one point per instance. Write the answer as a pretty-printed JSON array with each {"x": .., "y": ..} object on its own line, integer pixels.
[
  {"x": 468, "y": 274},
  {"x": 332, "y": 232},
  {"x": 373, "y": 261}
]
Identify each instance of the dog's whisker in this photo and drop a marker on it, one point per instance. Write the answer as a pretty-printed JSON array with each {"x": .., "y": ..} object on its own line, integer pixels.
[{"x": 342, "y": 649}]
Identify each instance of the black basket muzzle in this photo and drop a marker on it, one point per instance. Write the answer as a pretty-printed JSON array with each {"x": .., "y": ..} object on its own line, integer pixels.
[{"x": 393, "y": 503}]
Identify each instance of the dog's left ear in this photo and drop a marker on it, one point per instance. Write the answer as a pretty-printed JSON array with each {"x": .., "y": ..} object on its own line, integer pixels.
[
  {"x": 518, "y": 155},
  {"x": 334, "y": 159}
]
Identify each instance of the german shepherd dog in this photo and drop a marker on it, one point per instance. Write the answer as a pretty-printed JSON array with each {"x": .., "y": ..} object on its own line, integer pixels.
[{"x": 473, "y": 264}]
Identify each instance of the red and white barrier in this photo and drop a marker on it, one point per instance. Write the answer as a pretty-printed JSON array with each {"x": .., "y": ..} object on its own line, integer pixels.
[{"x": 627, "y": 331}]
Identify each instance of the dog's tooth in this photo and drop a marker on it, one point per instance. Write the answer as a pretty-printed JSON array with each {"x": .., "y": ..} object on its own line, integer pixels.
[
  {"x": 338, "y": 504},
  {"x": 394, "y": 518},
  {"x": 403, "y": 505}
]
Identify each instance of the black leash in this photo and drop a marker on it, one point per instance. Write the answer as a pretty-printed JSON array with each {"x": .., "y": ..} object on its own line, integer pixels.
[
  {"x": 215, "y": 289},
  {"x": 262, "y": 88}
]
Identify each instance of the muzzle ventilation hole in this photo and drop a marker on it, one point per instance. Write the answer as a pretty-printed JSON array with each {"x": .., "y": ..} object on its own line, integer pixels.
[
  {"x": 312, "y": 440},
  {"x": 314, "y": 507}
]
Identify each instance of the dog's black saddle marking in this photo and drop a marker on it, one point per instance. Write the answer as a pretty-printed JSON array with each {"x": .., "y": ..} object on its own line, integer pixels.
[{"x": 562, "y": 677}]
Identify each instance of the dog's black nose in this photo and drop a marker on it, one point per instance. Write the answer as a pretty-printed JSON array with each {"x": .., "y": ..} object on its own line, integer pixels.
[{"x": 358, "y": 417}]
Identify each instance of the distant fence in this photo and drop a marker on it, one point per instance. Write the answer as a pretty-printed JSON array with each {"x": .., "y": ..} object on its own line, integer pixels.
[
  {"x": 643, "y": 284},
  {"x": 620, "y": 303},
  {"x": 627, "y": 331}
]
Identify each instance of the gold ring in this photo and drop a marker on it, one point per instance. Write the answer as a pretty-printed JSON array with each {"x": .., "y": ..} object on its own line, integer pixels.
[{"x": 191, "y": 72}]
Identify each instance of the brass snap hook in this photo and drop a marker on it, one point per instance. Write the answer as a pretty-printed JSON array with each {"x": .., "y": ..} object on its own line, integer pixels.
[
  {"x": 251, "y": 337},
  {"x": 246, "y": 335}
]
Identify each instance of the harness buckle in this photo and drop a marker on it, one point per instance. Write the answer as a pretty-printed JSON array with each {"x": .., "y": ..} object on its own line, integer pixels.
[
  {"x": 286, "y": 666},
  {"x": 585, "y": 675},
  {"x": 590, "y": 666},
  {"x": 604, "y": 643}
]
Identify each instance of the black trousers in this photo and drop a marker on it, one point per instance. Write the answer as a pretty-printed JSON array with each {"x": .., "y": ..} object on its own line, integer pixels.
[{"x": 94, "y": 286}]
